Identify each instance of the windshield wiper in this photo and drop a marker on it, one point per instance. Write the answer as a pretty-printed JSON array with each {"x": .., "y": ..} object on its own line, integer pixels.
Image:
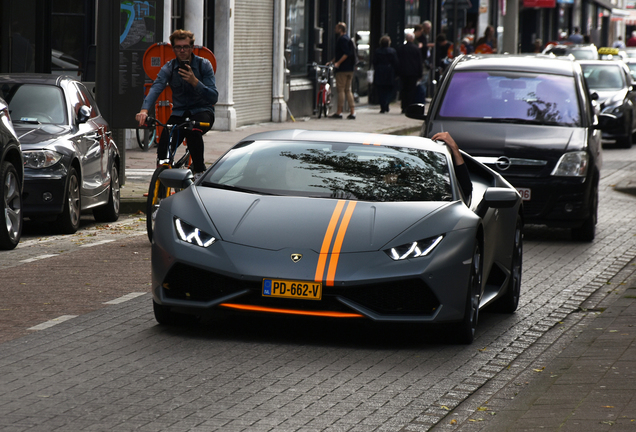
[
  {"x": 234, "y": 188},
  {"x": 517, "y": 121}
]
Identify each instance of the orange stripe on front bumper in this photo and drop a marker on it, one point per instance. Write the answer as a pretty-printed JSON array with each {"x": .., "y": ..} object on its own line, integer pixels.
[
  {"x": 291, "y": 311},
  {"x": 335, "y": 253},
  {"x": 326, "y": 242}
]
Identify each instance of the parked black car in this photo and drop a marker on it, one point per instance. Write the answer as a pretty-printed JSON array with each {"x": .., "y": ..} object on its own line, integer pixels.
[
  {"x": 11, "y": 178},
  {"x": 531, "y": 119},
  {"x": 71, "y": 164},
  {"x": 616, "y": 90}
]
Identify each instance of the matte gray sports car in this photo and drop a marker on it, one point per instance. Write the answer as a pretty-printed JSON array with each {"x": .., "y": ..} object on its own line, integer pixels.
[{"x": 342, "y": 225}]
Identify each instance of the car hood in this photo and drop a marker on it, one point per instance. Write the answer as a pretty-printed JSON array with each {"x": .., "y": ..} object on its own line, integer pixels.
[
  {"x": 276, "y": 222},
  {"x": 488, "y": 139},
  {"x": 39, "y": 134},
  {"x": 609, "y": 97}
]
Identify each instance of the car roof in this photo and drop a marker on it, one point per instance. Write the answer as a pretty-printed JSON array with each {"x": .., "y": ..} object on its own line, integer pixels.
[
  {"x": 616, "y": 62},
  {"x": 29, "y": 78},
  {"x": 348, "y": 137},
  {"x": 519, "y": 62}
]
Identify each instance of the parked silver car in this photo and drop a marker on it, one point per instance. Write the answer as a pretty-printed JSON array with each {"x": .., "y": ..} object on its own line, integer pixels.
[{"x": 71, "y": 164}]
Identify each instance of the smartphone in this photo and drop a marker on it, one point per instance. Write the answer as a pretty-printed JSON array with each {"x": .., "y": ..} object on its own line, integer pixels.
[{"x": 183, "y": 64}]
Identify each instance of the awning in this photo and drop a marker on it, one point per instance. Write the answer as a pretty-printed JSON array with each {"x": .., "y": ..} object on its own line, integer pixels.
[
  {"x": 620, "y": 14},
  {"x": 631, "y": 18}
]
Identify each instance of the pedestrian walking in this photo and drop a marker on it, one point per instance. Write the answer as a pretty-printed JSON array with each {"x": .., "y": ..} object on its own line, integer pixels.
[
  {"x": 410, "y": 58},
  {"x": 344, "y": 62},
  {"x": 576, "y": 37},
  {"x": 194, "y": 94},
  {"x": 385, "y": 66}
]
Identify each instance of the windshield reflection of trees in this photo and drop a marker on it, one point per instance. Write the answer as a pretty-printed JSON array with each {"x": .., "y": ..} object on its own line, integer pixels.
[
  {"x": 549, "y": 112},
  {"x": 406, "y": 175}
]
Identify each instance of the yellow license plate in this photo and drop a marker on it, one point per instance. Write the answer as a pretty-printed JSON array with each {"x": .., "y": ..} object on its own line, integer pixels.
[{"x": 292, "y": 289}]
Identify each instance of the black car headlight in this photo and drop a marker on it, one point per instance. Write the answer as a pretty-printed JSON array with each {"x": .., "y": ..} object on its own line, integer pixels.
[
  {"x": 573, "y": 164},
  {"x": 191, "y": 234},
  {"x": 37, "y": 159},
  {"x": 414, "y": 249}
]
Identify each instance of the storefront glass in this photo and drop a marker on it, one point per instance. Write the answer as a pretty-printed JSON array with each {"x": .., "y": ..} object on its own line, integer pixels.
[{"x": 296, "y": 36}]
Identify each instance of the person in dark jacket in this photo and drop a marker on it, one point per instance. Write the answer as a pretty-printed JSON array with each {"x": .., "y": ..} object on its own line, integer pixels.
[
  {"x": 344, "y": 62},
  {"x": 385, "y": 65},
  {"x": 410, "y": 58}
]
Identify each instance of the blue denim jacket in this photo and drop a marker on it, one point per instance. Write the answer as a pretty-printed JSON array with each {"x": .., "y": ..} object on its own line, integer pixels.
[{"x": 185, "y": 97}]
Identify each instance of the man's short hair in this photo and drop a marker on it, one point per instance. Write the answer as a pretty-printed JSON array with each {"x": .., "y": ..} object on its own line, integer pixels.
[
  {"x": 418, "y": 28},
  {"x": 181, "y": 35},
  {"x": 342, "y": 26}
]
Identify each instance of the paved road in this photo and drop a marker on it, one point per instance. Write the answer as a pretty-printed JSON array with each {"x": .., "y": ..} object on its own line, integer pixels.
[{"x": 110, "y": 367}]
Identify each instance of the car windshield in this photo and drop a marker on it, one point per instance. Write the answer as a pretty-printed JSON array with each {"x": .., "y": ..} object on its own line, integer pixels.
[
  {"x": 603, "y": 76},
  {"x": 584, "y": 54},
  {"x": 512, "y": 97},
  {"x": 334, "y": 170},
  {"x": 35, "y": 103}
]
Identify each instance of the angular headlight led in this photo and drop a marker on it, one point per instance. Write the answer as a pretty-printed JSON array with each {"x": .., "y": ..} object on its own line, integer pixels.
[
  {"x": 572, "y": 164},
  {"x": 40, "y": 158},
  {"x": 192, "y": 235},
  {"x": 415, "y": 249}
]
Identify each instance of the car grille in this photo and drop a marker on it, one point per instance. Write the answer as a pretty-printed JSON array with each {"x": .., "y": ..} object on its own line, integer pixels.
[
  {"x": 407, "y": 297},
  {"x": 185, "y": 282}
]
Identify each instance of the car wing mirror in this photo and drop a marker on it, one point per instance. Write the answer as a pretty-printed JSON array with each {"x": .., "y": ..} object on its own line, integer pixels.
[
  {"x": 176, "y": 178},
  {"x": 605, "y": 121},
  {"x": 496, "y": 197},
  {"x": 594, "y": 96},
  {"x": 416, "y": 111},
  {"x": 84, "y": 114}
]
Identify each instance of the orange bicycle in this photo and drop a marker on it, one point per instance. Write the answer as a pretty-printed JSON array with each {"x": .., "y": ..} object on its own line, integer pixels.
[{"x": 157, "y": 191}]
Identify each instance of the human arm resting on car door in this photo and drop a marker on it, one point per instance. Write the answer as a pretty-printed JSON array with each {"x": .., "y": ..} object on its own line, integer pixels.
[{"x": 461, "y": 171}]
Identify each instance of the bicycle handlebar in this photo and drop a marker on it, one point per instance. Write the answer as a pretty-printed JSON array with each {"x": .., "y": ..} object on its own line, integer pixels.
[{"x": 188, "y": 125}]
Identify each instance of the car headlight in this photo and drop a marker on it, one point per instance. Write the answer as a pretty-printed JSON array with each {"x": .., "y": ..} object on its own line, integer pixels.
[
  {"x": 572, "y": 164},
  {"x": 415, "y": 249},
  {"x": 191, "y": 234},
  {"x": 40, "y": 158}
]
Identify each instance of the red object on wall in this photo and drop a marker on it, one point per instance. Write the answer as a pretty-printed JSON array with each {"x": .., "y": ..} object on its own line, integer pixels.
[{"x": 539, "y": 3}]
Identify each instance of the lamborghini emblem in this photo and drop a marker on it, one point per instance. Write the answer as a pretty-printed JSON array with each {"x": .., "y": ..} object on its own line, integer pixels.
[{"x": 296, "y": 257}]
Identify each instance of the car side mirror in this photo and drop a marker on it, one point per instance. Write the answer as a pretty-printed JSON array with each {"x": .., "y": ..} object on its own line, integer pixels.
[
  {"x": 605, "y": 121},
  {"x": 496, "y": 197},
  {"x": 176, "y": 178},
  {"x": 416, "y": 111},
  {"x": 594, "y": 96},
  {"x": 84, "y": 114}
]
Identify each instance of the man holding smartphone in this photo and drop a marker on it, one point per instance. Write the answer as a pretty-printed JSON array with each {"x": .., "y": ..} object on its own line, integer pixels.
[{"x": 194, "y": 94}]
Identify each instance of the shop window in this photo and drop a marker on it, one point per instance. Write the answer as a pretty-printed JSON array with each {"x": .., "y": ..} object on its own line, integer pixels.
[{"x": 296, "y": 36}]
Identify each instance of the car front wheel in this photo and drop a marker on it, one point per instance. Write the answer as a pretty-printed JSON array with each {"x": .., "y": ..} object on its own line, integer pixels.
[
  {"x": 11, "y": 199},
  {"x": 465, "y": 331},
  {"x": 109, "y": 212},
  {"x": 68, "y": 222}
]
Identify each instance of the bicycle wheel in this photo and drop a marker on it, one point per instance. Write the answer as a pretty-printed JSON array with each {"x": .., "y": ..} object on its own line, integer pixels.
[
  {"x": 146, "y": 137},
  {"x": 156, "y": 193},
  {"x": 327, "y": 102},
  {"x": 321, "y": 105}
]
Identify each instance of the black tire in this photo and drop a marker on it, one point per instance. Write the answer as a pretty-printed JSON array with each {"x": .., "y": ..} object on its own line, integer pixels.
[
  {"x": 587, "y": 231},
  {"x": 109, "y": 212},
  {"x": 465, "y": 330},
  {"x": 156, "y": 193},
  {"x": 146, "y": 137},
  {"x": 11, "y": 199},
  {"x": 69, "y": 221},
  {"x": 510, "y": 300},
  {"x": 163, "y": 315},
  {"x": 321, "y": 107}
]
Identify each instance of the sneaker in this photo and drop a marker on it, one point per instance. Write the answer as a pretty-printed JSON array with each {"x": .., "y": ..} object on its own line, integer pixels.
[
  {"x": 197, "y": 176},
  {"x": 351, "y": 116},
  {"x": 336, "y": 116}
]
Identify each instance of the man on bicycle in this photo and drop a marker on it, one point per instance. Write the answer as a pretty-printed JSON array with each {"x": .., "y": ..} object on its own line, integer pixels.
[{"x": 194, "y": 94}]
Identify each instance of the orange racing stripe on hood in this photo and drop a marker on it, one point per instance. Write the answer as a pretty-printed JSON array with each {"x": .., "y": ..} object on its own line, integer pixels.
[
  {"x": 326, "y": 242},
  {"x": 335, "y": 252}
]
